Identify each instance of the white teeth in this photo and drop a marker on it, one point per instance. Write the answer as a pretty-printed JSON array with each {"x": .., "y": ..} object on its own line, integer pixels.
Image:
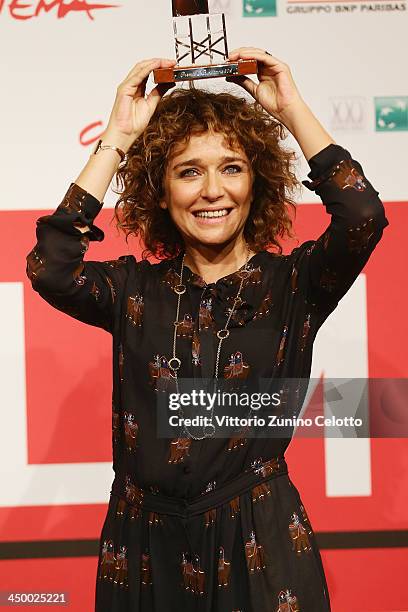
[{"x": 212, "y": 213}]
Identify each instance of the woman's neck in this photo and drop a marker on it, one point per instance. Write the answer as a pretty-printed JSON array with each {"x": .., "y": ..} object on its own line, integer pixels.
[{"x": 212, "y": 264}]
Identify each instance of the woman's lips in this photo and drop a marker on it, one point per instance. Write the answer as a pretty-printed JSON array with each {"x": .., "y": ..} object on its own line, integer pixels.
[{"x": 212, "y": 220}]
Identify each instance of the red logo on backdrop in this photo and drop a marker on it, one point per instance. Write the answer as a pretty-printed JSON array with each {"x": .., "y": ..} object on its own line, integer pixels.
[
  {"x": 85, "y": 136},
  {"x": 23, "y": 10}
]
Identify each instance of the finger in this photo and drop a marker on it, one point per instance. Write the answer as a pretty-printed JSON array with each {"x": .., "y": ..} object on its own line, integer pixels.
[
  {"x": 248, "y": 84},
  {"x": 157, "y": 93},
  {"x": 143, "y": 69},
  {"x": 258, "y": 54}
]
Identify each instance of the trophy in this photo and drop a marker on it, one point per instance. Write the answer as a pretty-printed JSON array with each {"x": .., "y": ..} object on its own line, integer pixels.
[{"x": 200, "y": 36}]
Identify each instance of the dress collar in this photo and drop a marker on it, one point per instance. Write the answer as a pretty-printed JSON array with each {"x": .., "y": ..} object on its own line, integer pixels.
[
  {"x": 255, "y": 294},
  {"x": 234, "y": 278}
]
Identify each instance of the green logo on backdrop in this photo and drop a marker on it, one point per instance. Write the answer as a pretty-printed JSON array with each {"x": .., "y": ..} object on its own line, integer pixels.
[
  {"x": 259, "y": 8},
  {"x": 391, "y": 114}
]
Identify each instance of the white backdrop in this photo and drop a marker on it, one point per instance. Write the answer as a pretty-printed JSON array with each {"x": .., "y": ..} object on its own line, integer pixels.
[{"x": 59, "y": 75}]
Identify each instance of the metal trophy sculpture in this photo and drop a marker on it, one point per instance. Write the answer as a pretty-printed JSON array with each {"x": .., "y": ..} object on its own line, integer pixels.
[{"x": 200, "y": 35}]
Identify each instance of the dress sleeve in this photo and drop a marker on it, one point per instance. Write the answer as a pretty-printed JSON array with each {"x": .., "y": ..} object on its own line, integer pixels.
[
  {"x": 86, "y": 290},
  {"x": 332, "y": 263}
]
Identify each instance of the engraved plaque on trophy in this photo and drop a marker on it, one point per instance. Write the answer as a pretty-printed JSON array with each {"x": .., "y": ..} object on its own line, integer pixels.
[{"x": 200, "y": 39}]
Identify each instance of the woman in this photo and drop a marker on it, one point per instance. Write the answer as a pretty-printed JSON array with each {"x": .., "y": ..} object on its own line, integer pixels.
[{"x": 197, "y": 522}]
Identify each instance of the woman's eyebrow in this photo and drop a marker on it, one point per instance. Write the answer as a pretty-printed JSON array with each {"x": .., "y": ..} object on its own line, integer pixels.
[{"x": 197, "y": 161}]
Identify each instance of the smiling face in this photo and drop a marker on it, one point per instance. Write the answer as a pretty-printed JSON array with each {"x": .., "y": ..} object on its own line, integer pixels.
[{"x": 208, "y": 190}]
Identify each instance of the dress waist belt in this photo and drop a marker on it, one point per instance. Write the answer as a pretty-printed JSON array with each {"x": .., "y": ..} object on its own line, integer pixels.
[{"x": 176, "y": 506}]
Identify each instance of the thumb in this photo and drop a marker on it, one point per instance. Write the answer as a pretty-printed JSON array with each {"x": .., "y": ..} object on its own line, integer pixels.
[{"x": 157, "y": 93}]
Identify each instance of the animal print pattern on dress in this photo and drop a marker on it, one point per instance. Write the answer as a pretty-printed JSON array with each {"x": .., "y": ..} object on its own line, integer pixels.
[
  {"x": 113, "y": 568},
  {"x": 179, "y": 449},
  {"x": 298, "y": 535},
  {"x": 193, "y": 574},
  {"x": 135, "y": 308},
  {"x": 287, "y": 602},
  {"x": 236, "y": 367},
  {"x": 224, "y": 568},
  {"x": 359, "y": 237},
  {"x": 185, "y": 327},
  {"x": 131, "y": 430},
  {"x": 260, "y": 492},
  {"x": 254, "y": 554},
  {"x": 160, "y": 375},
  {"x": 347, "y": 176}
]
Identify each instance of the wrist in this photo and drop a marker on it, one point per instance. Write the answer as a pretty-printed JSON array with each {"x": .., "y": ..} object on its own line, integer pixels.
[
  {"x": 115, "y": 139},
  {"x": 294, "y": 114}
]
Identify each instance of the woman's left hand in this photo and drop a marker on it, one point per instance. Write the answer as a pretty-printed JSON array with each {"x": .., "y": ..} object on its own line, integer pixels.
[{"x": 276, "y": 90}]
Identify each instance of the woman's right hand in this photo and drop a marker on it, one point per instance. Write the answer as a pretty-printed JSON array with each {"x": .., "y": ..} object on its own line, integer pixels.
[{"x": 132, "y": 110}]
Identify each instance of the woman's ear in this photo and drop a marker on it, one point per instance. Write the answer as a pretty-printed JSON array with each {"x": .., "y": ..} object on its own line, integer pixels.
[{"x": 163, "y": 204}]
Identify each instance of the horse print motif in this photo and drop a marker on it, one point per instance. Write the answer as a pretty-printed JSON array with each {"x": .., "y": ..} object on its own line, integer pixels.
[
  {"x": 131, "y": 429},
  {"x": 210, "y": 517},
  {"x": 234, "y": 507},
  {"x": 265, "y": 468},
  {"x": 287, "y": 602},
  {"x": 185, "y": 327},
  {"x": 134, "y": 495},
  {"x": 260, "y": 492},
  {"x": 205, "y": 318},
  {"x": 179, "y": 449},
  {"x": 298, "y": 535},
  {"x": 121, "y": 568},
  {"x": 134, "y": 311},
  {"x": 193, "y": 574},
  {"x": 160, "y": 375},
  {"x": 346, "y": 176},
  {"x": 236, "y": 367},
  {"x": 107, "y": 562},
  {"x": 224, "y": 568},
  {"x": 254, "y": 554}
]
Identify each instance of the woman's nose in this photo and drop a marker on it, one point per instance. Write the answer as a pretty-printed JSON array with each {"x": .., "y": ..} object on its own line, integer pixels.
[{"x": 212, "y": 187}]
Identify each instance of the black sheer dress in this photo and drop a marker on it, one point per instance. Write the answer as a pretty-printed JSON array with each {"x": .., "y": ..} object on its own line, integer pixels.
[{"x": 214, "y": 525}]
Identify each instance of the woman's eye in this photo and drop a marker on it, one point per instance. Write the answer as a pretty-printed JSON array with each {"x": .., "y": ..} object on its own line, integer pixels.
[
  {"x": 236, "y": 168},
  {"x": 187, "y": 172},
  {"x": 233, "y": 169}
]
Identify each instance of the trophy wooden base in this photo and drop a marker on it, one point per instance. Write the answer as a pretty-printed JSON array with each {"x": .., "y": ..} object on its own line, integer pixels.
[{"x": 211, "y": 71}]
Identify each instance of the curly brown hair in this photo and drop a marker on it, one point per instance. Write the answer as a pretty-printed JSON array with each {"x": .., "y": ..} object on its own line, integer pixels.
[{"x": 180, "y": 115}]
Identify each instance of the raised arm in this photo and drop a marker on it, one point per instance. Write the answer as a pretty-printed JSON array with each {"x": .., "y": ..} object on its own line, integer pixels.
[
  {"x": 332, "y": 263},
  {"x": 329, "y": 265},
  {"x": 91, "y": 290}
]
